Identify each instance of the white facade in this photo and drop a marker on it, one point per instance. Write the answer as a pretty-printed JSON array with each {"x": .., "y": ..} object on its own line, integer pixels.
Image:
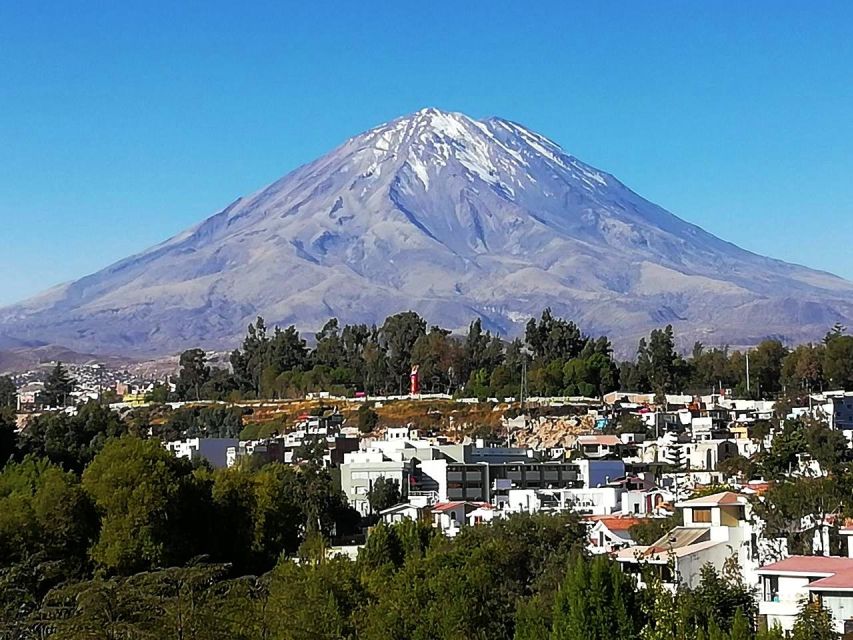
[
  {"x": 214, "y": 450},
  {"x": 361, "y": 469},
  {"x": 785, "y": 585},
  {"x": 715, "y": 529}
]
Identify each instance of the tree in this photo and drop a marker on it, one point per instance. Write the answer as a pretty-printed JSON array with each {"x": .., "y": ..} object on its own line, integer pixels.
[
  {"x": 137, "y": 487},
  {"x": 8, "y": 436},
  {"x": 667, "y": 371},
  {"x": 194, "y": 374},
  {"x": 399, "y": 334},
  {"x": 803, "y": 368},
  {"x": 8, "y": 393},
  {"x": 813, "y": 623},
  {"x": 741, "y": 627},
  {"x": 367, "y": 419},
  {"x": 838, "y": 361},
  {"x": 44, "y": 513},
  {"x": 766, "y": 366},
  {"x": 329, "y": 350},
  {"x": 71, "y": 441},
  {"x": 722, "y": 598},
  {"x": 383, "y": 494},
  {"x": 597, "y": 601},
  {"x": 794, "y": 507},
  {"x": 58, "y": 386}
]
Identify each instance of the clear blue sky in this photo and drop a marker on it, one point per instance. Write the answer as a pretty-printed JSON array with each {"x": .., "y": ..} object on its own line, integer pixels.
[{"x": 122, "y": 123}]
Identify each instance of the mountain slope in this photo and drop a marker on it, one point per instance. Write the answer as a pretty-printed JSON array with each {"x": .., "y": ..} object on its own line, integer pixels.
[{"x": 455, "y": 218}]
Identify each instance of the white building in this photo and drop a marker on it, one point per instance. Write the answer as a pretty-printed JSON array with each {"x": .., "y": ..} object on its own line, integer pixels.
[
  {"x": 608, "y": 534},
  {"x": 786, "y": 584},
  {"x": 715, "y": 528},
  {"x": 361, "y": 469},
  {"x": 214, "y": 450}
]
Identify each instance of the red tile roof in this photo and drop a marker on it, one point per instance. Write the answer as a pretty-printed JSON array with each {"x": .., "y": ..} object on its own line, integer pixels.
[
  {"x": 447, "y": 506},
  {"x": 616, "y": 523},
  {"x": 841, "y": 580},
  {"x": 810, "y": 565}
]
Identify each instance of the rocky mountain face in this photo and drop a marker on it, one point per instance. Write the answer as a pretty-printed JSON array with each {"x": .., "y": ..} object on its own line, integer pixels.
[{"x": 455, "y": 218}]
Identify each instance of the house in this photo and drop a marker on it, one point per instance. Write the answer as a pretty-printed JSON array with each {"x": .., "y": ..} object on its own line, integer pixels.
[
  {"x": 597, "y": 447},
  {"x": 28, "y": 396},
  {"x": 610, "y": 533},
  {"x": 786, "y": 584},
  {"x": 705, "y": 455},
  {"x": 716, "y": 528},
  {"x": 450, "y": 517},
  {"x": 400, "y": 512}
]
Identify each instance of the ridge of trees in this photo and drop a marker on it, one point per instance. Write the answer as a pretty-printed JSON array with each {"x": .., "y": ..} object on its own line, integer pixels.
[{"x": 560, "y": 360}]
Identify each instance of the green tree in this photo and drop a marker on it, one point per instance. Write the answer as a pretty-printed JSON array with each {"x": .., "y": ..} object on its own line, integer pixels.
[
  {"x": 58, "y": 386},
  {"x": 367, "y": 418},
  {"x": 838, "y": 361},
  {"x": 597, "y": 601},
  {"x": 194, "y": 374},
  {"x": 399, "y": 334},
  {"x": 137, "y": 487},
  {"x": 741, "y": 627},
  {"x": 765, "y": 363},
  {"x": 8, "y": 393},
  {"x": 71, "y": 441},
  {"x": 813, "y": 623},
  {"x": 45, "y": 513},
  {"x": 8, "y": 436},
  {"x": 383, "y": 494}
]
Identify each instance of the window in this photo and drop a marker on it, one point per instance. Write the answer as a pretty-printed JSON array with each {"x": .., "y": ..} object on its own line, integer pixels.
[
  {"x": 702, "y": 515},
  {"x": 771, "y": 589}
]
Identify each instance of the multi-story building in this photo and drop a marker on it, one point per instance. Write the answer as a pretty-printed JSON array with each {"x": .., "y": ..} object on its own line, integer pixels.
[{"x": 716, "y": 528}]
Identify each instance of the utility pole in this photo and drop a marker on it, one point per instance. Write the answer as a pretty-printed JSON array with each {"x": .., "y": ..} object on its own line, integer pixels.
[{"x": 747, "y": 372}]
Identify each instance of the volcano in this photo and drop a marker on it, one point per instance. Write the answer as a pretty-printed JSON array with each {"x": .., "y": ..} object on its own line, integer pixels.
[{"x": 455, "y": 218}]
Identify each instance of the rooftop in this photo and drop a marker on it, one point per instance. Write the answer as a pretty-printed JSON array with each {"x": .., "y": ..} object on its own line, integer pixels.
[
  {"x": 608, "y": 441},
  {"x": 809, "y": 565},
  {"x": 716, "y": 500},
  {"x": 615, "y": 523}
]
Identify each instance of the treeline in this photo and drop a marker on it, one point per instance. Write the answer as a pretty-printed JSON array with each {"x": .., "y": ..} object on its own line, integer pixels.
[
  {"x": 523, "y": 578},
  {"x": 773, "y": 368},
  {"x": 560, "y": 361},
  {"x": 379, "y": 359}
]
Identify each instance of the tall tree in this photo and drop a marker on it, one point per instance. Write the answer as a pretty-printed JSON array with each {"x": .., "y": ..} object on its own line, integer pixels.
[
  {"x": 138, "y": 486},
  {"x": 813, "y": 622},
  {"x": 194, "y": 374},
  {"x": 399, "y": 334},
  {"x": 838, "y": 361},
  {"x": 8, "y": 392},
  {"x": 58, "y": 386},
  {"x": 383, "y": 494}
]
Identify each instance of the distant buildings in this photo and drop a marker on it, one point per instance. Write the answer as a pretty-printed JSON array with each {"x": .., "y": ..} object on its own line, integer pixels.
[{"x": 213, "y": 450}]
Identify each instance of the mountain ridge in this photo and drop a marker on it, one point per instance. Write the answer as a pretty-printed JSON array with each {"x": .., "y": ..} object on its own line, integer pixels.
[{"x": 455, "y": 218}]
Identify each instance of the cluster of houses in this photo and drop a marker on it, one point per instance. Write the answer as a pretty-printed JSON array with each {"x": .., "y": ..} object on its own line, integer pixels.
[{"x": 637, "y": 461}]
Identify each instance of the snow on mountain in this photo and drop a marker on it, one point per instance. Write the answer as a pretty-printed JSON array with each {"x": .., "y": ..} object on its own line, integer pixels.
[{"x": 450, "y": 216}]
